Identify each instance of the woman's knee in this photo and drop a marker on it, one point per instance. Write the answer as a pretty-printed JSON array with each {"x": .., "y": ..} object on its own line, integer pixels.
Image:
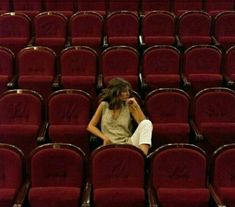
[{"x": 146, "y": 123}]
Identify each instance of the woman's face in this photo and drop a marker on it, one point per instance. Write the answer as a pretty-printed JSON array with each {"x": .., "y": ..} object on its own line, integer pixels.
[{"x": 125, "y": 94}]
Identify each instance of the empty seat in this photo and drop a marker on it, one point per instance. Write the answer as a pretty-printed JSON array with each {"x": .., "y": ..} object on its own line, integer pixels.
[
  {"x": 229, "y": 67},
  {"x": 7, "y": 63},
  {"x": 194, "y": 28},
  {"x": 150, "y": 5},
  {"x": 86, "y": 28},
  {"x": 15, "y": 31},
  {"x": 214, "y": 7},
  {"x": 178, "y": 176},
  {"x": 213, "y": 118},
  {"x": 98, "y": 6},
  {"x": 50, "y": 30},
  {"x": 65, "y": 7},
  {"x": 4, "y": 6},
  {"x": 168, "y": 109},
  {"x": 222, "y": 174},
  {"x": 121, "y": 61},
  {"x": 12, "y": 171},
  {"x": 181, "y": 6},
  {"x": 37, "y": 68},
  {"x": 69, "y": 112},
  {"x": 224, "y": 29},
  {"x": 158, "y": 28},
  {"x": 160, "y": 67},
  {"x": 122, "y": 28},
  {"x": 117, "y": 176},
  {"x": 202, "y": 67},
  {"x": 28, "y": 7},
  {"x": 21, "y": 118},
  {"x": 127, "y": 5},
  {"x": 57, "y": 175},
  {"x": 79, "y": 69}
]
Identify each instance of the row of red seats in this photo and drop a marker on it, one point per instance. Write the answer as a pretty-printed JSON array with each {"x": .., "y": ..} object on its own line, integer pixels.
[
  {"x": 118, "y": 175},
  {"x": 53, "y": 30},
  {"x": 208, "y": 119},
  {"x": 68, "y": 7},
  {"x": 39, "y": 68}
]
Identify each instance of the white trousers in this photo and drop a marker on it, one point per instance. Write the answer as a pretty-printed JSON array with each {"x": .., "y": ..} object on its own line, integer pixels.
[{"x": 142, "y": 134}]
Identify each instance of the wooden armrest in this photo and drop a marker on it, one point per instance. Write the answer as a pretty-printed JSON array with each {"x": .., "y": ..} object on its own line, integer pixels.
[
  {"x": 198, "y": 136},
  {"x": 41, "y": 139},
  {"x": 21, "y": 196},
  {"x": 86, "y": 197},
  {"x": 215, "y": 197}
]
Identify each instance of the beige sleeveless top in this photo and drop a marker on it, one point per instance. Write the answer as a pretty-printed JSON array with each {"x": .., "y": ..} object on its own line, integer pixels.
[{"x": 119, "y": 129}]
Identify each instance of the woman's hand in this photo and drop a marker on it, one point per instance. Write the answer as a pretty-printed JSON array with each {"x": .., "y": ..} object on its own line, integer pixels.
[
  {"x": 132, "y": 102},
  {"x": 106, "y": 140}
]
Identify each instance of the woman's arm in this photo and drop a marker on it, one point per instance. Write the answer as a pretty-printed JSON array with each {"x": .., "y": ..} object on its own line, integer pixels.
[
  {"x": 135, "y": 110},
  {"x": 92, "y": 126}
]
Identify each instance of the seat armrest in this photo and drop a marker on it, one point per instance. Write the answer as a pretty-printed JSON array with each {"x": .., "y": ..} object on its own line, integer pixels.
[
  {"x": 100, "y": 84},
  {"x": 228, "y": 81},
  {"x": 13, "y": 82},
  {"x": 22, "y": 195},
  {"x": 178, "y": 42},
  {"x": 186, "y": 83},
  {"x": 215, "y": 41},
  {"x": 215, "y": 197},
  {"x": 143, "y": 84},
  {"x": 56, "y": 82},
  {"x": 141, "y": 40},
  {"x": 198, "y": 135},
  {"x": 31, "y": 42},
  {"x": 105, "y": 42},
  {"x": 68, "y": 42},
  {"x": 152, "y": 200},
  {"x": 41, "y": 139},
  {"x": 86, "y": 197}
]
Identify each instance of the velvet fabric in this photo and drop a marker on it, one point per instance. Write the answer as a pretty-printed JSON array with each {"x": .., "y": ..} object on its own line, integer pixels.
[
  {"x": 171, "y": 123},
  {"x": 122, "y": 62},
  {"x": 118, "y": 177},
  {"x": 122, "y": 28},
  {"x": 160, "y": 67},
  {"x": 78, "y": 67},
  {"x": 98, "y": 6},
  {"x": 28, "y": 7},
  {"x": 56, "y": 177},
  {"x": 87, "y": 29},
  {"x": 179, "y": 6},
  {"x": 149, "y": 5},
  {"x": 124, "y": 5},
  {"x": 15, "y": 31},
  {"x": 20, "y": 120},
  {"x": 39, "y": 74},
  {"x": 4, "y": 6},
  {"x": 214, "y": 7},
  {"x": 158, "y": 28},
  {"x": 225, "y": 29},
  {"x": 203, "y": 71},
  {"x": 229, "y": 63},
  {"x": 68, "y": 116},
  {"x": 50, "y": 30},
  {"x": 178, "y": 176},
  {"x": 6, "y": 67}
]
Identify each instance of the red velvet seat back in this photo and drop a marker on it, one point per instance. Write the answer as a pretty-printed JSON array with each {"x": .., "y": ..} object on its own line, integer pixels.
[
  {"x": 122, "y": 28},
  {"x": 127, "y": 5},
  {"x": 98, "y": 6},
  {"x": 11, "y": 173},
  {"x": 214, "y": 7},
  {"x": 4, "y": 6},
  {"x": 6, "y": 67},
  {"x": 180, "y": 6},
  {"x": 50, "y": 30},
  {"x": 158, "y": 25},
  {"x": 38, "y": 74},
  {"x": 78, "y": 67},
  {"x": 31, "y": 8},
  {"x": 194, "y": 27},
  {"x": 161, "y": 66},
  {"x": 150, "y": 5},
  {"x": 178, "y": 167},
  {"x": 120, "y": 61},
  {"x": 117, "y": 167},
  {"x": 66, "y": 7},
  {"x": 224, "y": 30},
  {"x": 57, "y": 166},
  {"x": 15, "y": 31},
  {"x": 229, "y": 64}
]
